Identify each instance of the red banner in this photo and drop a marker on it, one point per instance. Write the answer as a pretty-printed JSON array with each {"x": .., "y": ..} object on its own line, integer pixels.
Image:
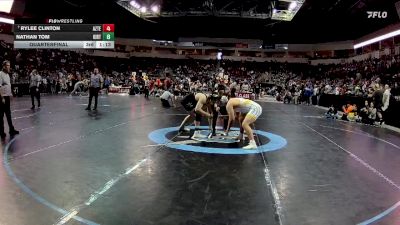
[{"x": 246, "y": 95}]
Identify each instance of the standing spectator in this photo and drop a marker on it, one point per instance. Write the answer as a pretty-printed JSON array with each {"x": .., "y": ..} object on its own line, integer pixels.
[
  {"x": 364, "y": 112},
  {"x": 317, "y": 93},
  {"x": 378, "y": 100},
  {"x": 167, "y": 82},
  {"x": 96, "y": 81},
  {"x": 5, "y": 97},
  {"x": 386, "y": 98},
  {"x": 34, "y": 84},
  {"x": 107, "y": 83},
  {"x": 308, "y": 93}
]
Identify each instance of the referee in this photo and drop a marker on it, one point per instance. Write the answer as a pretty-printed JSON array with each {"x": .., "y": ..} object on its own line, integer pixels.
[
  {"x": 96, "y": 82},
  {"x": 34, "y": 84},
  {"x": 5, "y": 96}
]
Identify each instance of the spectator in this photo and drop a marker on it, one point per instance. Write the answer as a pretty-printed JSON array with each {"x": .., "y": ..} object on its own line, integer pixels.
[
  {"x": 372, "y": 114},
  {"x": 332, "y": 113},
  {"x": 348, "y": 112},
  {"x": 167, "y": 99},
  {"x": 386, "y": 98},
  {"x": 364, "y": 112}
]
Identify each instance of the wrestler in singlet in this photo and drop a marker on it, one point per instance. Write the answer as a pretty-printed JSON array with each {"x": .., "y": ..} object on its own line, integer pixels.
[
  {"x": 197, "y": 105},
  {"x": 249, "y": 112},
  {"x": 250, "y": 108}
]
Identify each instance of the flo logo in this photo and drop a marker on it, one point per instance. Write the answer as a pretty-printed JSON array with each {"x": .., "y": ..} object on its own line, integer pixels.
[{"x": 377, "y": 14}]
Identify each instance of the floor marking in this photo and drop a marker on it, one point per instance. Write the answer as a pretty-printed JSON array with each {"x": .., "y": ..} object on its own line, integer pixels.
[
  {"x": 97, "y": 194},
  {"x": 372, "y": 169},
  {"x": 185, "y": 142},
  {"x": 28, "y": 191},
  {"x": 77, "y": 138},
  {"x": 20, "y": 110},
  {"x": 27, "y": 128},
  {"x": 67, "y": 217},
  {"x": 270, "y": 184},
  {"x": 199, "y": 178},
  {"x": 313, "y": 116},
  {"x": 68, "y": 141},
  {"x": 98, "y": 105},
  {"x": 381, "y": 215},
  {"x": 395, "y": 206},
  {"x": 21, "y": 117},
  {"x": 364, "y": 134},
  {"x": 160, "y": 136},
  {"x": 147, "y": 146},
  {"x": 107, "y": 186},
  {"x": 321, "y": 185}
]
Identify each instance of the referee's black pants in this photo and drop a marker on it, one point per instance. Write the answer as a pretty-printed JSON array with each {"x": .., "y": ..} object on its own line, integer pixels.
[
  {"x": 93, "y": 92},
  {"x": 5, "y": 109},
  {"x": 223, "y": 112},
  {"x": 34, "y": 93}
]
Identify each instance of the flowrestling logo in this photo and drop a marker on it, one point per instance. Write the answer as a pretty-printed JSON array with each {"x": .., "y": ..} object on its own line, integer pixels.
[{"x": 377, "y": 14}]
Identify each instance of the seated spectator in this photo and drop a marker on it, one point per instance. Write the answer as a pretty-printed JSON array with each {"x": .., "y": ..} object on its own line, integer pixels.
[
  {"x": 288, "y": 97},
  {"x": 348, "y": 112},
  {"x": 372, "y": 114},
  {"x": 332, "y": 113},
  {"x": 167, "y": 99}
]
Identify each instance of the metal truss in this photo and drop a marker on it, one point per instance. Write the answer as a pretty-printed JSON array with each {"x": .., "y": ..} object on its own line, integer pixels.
[
  {"x": 287, "y": 14},
  {"x": 208, "y": 8}
]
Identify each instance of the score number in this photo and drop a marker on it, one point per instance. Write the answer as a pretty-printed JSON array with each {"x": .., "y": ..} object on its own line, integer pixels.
[
  {"x": 108, "y": 32},
  {"x": 108, "y": 27}
]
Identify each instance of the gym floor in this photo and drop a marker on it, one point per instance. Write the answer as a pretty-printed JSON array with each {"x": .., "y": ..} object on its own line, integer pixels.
[{"x": 71, "y": 166}]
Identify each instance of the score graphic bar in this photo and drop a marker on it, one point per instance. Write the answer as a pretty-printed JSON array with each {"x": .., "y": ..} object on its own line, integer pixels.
[
  {"x": 64, "y": 44},
  {"x": 95, "y": 36}
]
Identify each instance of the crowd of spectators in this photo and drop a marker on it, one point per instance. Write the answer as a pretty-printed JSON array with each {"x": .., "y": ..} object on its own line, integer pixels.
[{"x": 288, "y": 82}]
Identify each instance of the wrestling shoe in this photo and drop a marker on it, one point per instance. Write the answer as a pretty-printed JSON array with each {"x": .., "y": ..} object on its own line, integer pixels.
[
  {"x": 13, "y": 132},
  {"x": 184, "y": 130},
  {"x": 197, "y": 134},
  {"x": 252, "y": 145},
  {"x": 211, "y": 135}
]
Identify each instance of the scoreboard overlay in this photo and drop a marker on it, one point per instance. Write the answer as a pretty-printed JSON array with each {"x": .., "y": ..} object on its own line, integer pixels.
[{"x": 64, "y": 36}]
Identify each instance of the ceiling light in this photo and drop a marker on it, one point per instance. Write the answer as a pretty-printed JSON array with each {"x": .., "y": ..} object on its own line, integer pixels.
[
  {"x": 143, "y": 9},
  {"x": 292, "y": 5},
  {"x": 376, "y": 39},
  {"x": 134, "y": 4},
  {"x": 155, "y": 9},
  {"x": 6, "y": 5},
  {"x": 5, "y": 20}
]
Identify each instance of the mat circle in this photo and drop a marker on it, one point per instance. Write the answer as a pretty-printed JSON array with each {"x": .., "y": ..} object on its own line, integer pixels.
[{"x": 160, "y": 137}]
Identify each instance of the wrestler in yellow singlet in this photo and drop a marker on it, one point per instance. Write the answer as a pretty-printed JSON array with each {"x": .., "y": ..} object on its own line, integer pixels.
[{"x": 249, "y": 112}]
